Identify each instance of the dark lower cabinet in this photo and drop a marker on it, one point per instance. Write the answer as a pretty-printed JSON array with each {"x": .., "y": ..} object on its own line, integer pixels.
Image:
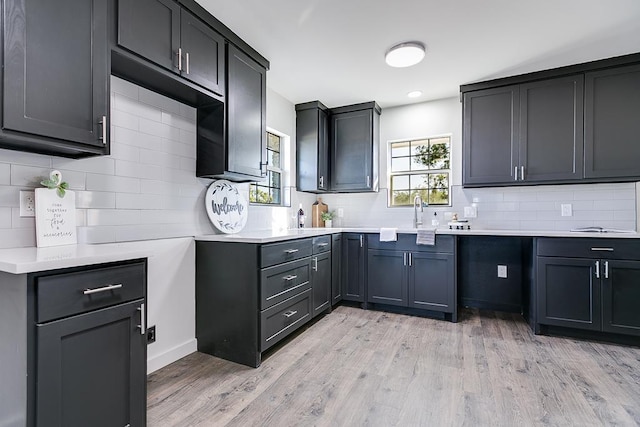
[
  {"x": 91, "y": 369},
  {"x": 321, "y": 282},
  {"x": 620, "y": 297},
  {"x": 432, "y": 282},
  {"x": 387, "y": 277},
  {"x": 353, "y": 267},
  {"x": 336, "y": 268},
  {"x": 55, "y": 83}
]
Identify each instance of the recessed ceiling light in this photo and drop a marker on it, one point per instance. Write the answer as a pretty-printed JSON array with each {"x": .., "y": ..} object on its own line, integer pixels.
[
  {"x": 405, "y": 54},
  {"x": 414, "y": 94}
]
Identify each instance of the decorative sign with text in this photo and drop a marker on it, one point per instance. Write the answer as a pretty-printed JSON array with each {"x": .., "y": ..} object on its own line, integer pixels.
[
  {"x": 226, "y": 207},
  {"x": 55, "y": 218}
]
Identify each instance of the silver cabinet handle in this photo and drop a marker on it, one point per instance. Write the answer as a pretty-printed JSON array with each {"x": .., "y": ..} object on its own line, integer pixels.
[
  {"x": 187, "y": 55},
  {"x": 521, "y": 173},
  {"x": 290, "y": 278},
  {"x": 410, "y": 259},
  {"x": 602, "y": 249},
  {"x": 515, "y": 173},
  {"x": 606, "y": 269},
  {"x": 290, "y": 313},
  {"x": 322, "y": 245},
  {"x": 102, "y": 289},
  {"x": 597, "y": 269},
  {"x": 361, "y": 241},
  {"x": 404, "y": 259},
  {"x": 179, "y": 59},
  {"x": 315, "y": 264},
  {"x": 322, "y": 182},
  {"x": 368, "y": 181},
  {"x": 142, "y": 326},
  {"x": 103, "y": 125},
  {"x": 291, "y": 251}
]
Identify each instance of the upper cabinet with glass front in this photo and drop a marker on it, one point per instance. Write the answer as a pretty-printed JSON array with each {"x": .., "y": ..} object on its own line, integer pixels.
[{"x": 420, "y": 168}]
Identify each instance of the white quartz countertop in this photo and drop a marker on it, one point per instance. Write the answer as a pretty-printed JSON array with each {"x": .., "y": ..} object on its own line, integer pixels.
[
  {"x": 30, "y": 260},
  {"x": 269, "y": 236}
]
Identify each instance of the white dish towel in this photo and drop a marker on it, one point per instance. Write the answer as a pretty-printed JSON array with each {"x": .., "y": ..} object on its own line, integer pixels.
[
  {"x": 426, "y": 236},
  {"x": 388, "y": 234}
]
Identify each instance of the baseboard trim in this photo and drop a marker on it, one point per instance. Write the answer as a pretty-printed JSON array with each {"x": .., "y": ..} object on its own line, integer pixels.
[{"x": 171, "y": 355}]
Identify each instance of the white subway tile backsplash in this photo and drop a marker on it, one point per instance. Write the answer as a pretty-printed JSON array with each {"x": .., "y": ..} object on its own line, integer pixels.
[
  {"x": 136, "y": 139},
  {"x": 116, "y": 184},
  {"x": 138, "y": 201},
  {"x": 17, "y": 238},
  {"x": 100, "y": 164},
  {"x": 594, "y": 195},
  {"x": 132, "y": 106},
  {"x": 5, "y": 174},
  {"x": 19, "y": 222},
  {"x": 29, "y": 176},
  {"x": 188, "y": 165},
  {"x": 614, "y": 205},
  {"x": 154, "y": 231},
  {"x": 125, "y": 152},
  {"x": 565, "y": 196},
  {"x": 181, "y": 203},
  {"x": 81, "y": 217},
  {"x": 159, "y": 101},
  {"x": 123, "y": 87},
  {"x": 101, "y": 234},
  {"x": 21, "y": 158},
  {"x": 159, "y": 187},
  {"x": 158, "y": 158},
  {"x": 5, "y": 218},
  {"x": 97, "y": 217},
  {"x": 159, "y": 129},
  {"x": 95, "y": 200},
  {"x": 178, "y": 121},
  {"x": 125, "y": 120},
  {"x": 169, "y": 217},
  {"x": 9, "y": 196},
  {"x": 188, "y": 137},
  {"x": 138, "y": 170}
]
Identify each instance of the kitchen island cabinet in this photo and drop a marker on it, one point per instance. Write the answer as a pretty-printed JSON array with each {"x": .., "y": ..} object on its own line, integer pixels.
[{"x": 55, "y": 85}]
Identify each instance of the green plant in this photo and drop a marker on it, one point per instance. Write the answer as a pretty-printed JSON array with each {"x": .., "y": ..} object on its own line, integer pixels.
[
  {"x": 327, "y": 216},
  {"x": 56, "y": 182}
]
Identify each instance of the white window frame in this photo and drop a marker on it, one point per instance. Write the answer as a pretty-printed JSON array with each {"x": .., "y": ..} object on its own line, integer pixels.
[{"x": 284, "y": 170}]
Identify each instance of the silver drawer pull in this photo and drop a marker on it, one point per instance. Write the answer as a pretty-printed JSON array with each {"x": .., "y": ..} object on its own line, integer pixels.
[
  {"x": 290, "y": 278},
  {"x": 292, "y": 251},
  {"x": 322, "y": 245},
  {"x": 142, "y": 326},
  {"x": 102, "y": 289},
  {"x": 289, "y": 313},
  {"x": 602, "y": 249}
]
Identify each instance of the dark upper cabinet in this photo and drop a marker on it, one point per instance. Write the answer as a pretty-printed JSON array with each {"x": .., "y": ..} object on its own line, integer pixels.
[
  {"x": 612, "y": 109},
  {"x": 168, "y": 35},
  {"x": 529, "y": 133},
  {"x": 312, "y": 147},
  {"x": 387, "y": 273},
  {"x": 246, "y": 115},
  {"x": 55, "y": 82},
  {"x": 336, "y": 268},
  {"x": 490, "y": 135},
  {"x": 353, "y": 267},
  {"x": 551, "y": 130},
  {"x": 620, "y": 296},
  {"x": 321, "y": 282},
  {"x": 355, "y": 138}
]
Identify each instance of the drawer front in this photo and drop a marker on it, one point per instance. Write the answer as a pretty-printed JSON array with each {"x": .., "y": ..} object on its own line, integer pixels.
[
  {"x": 66, "y": 294},
  {"x": 283, "y": 281},
  {"x": 407, "y": 242},
  {"x": 321, "y": 244},
  {"x": 589, "y": 248},
  {"x": 277, "y": 253},
  {"x": 280, "y": 320}
]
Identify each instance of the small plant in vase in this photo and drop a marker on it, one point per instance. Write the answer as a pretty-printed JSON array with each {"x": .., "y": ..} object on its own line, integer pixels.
[{"x": 327, "y": 217}]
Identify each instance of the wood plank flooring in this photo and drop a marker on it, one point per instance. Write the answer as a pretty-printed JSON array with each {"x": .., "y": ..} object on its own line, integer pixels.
[{"x": 368, "y": 368}]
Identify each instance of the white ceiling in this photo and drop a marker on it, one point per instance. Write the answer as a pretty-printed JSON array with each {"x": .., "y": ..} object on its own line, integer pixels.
[{"x": 333, "y": 50}]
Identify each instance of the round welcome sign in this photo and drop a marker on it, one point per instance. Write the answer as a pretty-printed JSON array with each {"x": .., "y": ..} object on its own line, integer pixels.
[{"x": 226, "y": 207}]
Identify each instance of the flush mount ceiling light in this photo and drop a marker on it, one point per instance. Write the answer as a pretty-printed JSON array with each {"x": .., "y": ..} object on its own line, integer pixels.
[
  {"x": 414, "y": 94},
  {"x": 405, "y": 54}
]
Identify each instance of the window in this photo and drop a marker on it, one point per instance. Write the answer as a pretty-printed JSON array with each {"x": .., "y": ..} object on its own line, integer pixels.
[
  {"x": 269, "y": 192},
  {"x": 420, "y": 167}
]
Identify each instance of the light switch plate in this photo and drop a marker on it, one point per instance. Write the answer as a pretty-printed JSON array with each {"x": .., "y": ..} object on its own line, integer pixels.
[
  {"x": 566, "y": 209},
  {"x": 340, "y": 212},
  {"x": 470, "y": 212},
  {"x": 502, "y": 271}
]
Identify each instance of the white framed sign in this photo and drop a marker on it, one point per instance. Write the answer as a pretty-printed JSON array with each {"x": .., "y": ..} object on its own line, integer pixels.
[
  {"x": 226, "y": 207},
  {"x": 55, "y": 218}
]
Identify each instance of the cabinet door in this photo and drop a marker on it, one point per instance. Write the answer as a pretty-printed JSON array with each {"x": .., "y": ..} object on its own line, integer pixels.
[
  {"x": 490, "y": 135},
  {"x": 151, "y": 28},
  {"x": 551, "y": 129},
  {"x": 56, "y": 74},
  {"x": 568, "y": 292},
  {"x": 351, "y": 157},
  {"x": 203, "y": 53},
  {"x": 620, "y": 296},
  {"x": 353, "y": 267},
  {"x": 612, "y": 108},
  {"x": 312, "y": 148},
  {"x": 323, "y": 151},
  {"x": 387, "y": 277},
  {"x": 91, "y": 369},
  {"x": 336, "y": 270},
  {"x": 246, "y": 114},
  {"x": 321, "y": 282},
  {"x": 432, "y": 281}
]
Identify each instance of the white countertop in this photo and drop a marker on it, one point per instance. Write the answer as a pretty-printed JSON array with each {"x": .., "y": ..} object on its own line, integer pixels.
[
  {"x": 29, "y": 260},
  {"x": 269, "y": 236}
]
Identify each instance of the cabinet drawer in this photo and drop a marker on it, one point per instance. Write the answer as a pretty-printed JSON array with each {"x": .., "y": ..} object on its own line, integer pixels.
[
  {"x": 280, "y": 320},
  {"x": 66, "y": 294},
  {"x": 407, "y": 242},
  {"x": 589, "y": 248},
  {"x": 321, "y": 244},
  {"x": 277, "y": 253},
  {"x": 283, "y": 281}
]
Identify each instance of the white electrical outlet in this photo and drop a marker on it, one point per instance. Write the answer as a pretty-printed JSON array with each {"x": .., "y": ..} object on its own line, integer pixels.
[
  {"x": 27, "y": 203},
  {"x": 502, "y": 271},
  {"x": 340, "y": 212},
  {"x": 470, "y": 212},
  {"x": 566, "y": 210}
]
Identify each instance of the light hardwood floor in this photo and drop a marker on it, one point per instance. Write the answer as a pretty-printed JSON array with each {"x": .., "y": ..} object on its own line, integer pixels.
[{"x": 369, "y": 368}]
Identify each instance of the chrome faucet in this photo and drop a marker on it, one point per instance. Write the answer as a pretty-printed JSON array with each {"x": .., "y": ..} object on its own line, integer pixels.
[{"x": 417, "y": 201}]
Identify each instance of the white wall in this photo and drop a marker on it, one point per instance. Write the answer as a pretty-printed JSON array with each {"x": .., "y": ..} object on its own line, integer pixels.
[{"x": 519, "y": 208}]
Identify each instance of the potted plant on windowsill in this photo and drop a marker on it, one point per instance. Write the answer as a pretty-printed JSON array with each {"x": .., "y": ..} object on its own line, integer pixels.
[{"x": 327, "y": 217}]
